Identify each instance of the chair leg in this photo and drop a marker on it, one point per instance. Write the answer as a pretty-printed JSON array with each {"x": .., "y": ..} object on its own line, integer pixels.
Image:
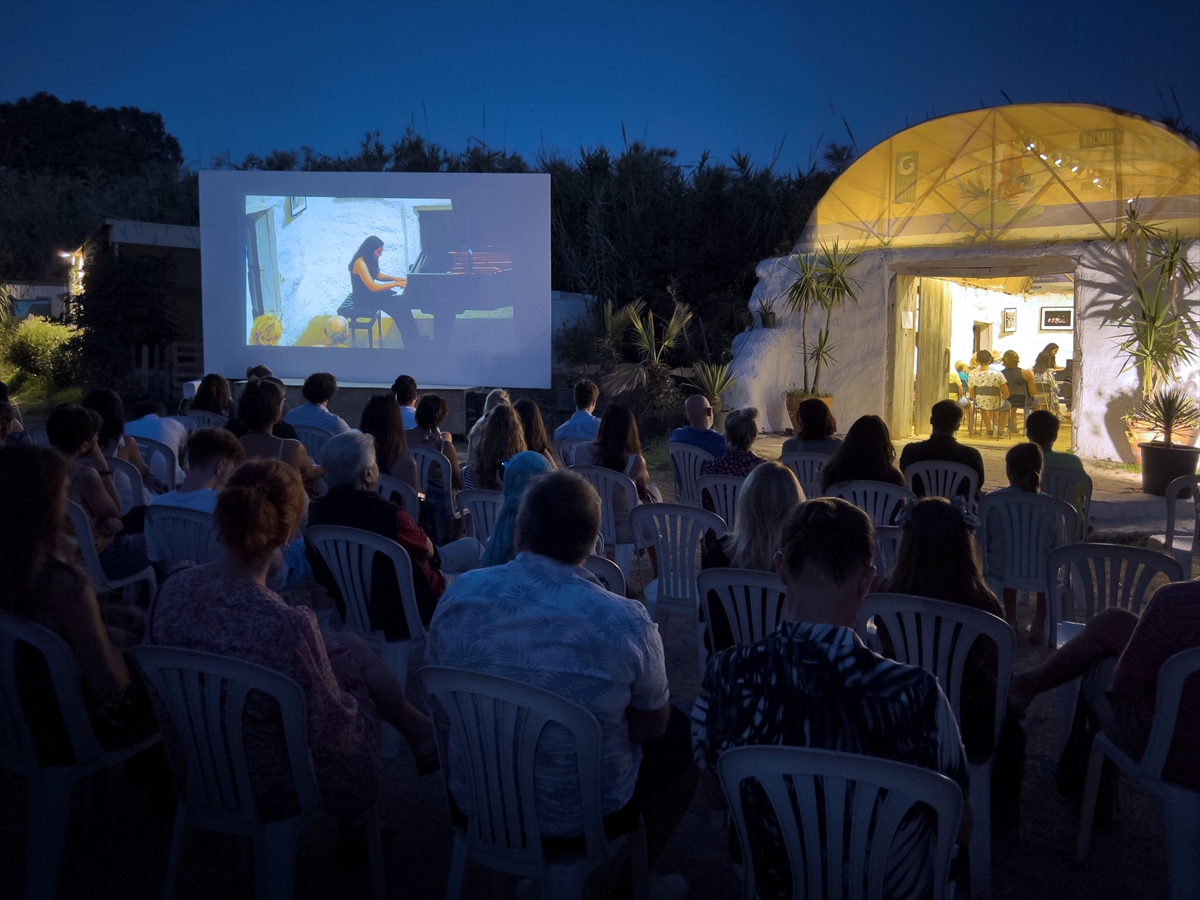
[
  {"x": 49, "y": 808},
  {"x": 639, "y": 863},
  {"x": 458, "y": 868},
  {"x": 375, "y": 857},
  {"x": 181, "y": 824},
  {"x": 1066, "y": 696},
  {"x": 1087, "y": 812},
  {"x": 981, "y": 835},
  {"x": 1181, "y": 822},
  {"x": 275, "y": 861}
]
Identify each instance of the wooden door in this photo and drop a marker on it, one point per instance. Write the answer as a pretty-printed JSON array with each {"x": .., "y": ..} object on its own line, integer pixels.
[
  {"x": 933, "y": 349},
  {"x": 904, "y": 334}
]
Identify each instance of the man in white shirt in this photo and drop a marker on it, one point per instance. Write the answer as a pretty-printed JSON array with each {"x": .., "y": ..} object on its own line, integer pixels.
[
  {"x": 167, "y": 431},
  {"x": 319, "y": 388},
  {"x": 214, "y": 453},
  {"x": 583, "y": 424},
  {"x": 405, "y": 389}
]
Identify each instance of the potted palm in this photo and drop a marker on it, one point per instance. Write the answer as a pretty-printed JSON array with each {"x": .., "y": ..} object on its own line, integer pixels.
[
  {"x": 712, "y": 381},
  {"x": 766, "y": 312},
  {"x": 1168, "y": 412}
]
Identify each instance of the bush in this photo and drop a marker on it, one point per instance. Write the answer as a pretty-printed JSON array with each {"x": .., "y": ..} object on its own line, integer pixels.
[{"x": 44, "y": 349}]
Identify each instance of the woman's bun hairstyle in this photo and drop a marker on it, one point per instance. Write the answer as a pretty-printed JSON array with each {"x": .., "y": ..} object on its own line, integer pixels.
[{"x": 259, "y": 508}]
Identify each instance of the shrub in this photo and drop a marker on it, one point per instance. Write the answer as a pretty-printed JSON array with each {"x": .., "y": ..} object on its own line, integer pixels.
[{"x": 44, "y": 349}]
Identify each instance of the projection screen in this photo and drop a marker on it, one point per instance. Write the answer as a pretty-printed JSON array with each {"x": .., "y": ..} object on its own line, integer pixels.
[{"x": 444, "y": 277}]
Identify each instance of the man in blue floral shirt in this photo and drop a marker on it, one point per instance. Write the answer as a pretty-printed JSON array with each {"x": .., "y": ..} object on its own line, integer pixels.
[{"x": 814, "y": 684}]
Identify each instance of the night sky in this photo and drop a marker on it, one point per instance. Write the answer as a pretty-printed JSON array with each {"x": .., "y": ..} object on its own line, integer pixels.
[{"x": 249, "y": 77}]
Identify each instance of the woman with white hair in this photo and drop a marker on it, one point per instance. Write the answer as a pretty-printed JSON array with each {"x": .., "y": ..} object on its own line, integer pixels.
[
  {"x": 351, "y": 474},
  {"x": 741, "y": 430}
]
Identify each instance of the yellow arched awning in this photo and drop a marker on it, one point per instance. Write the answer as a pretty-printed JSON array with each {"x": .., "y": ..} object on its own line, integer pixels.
[{"x": 1012, "y": 174}]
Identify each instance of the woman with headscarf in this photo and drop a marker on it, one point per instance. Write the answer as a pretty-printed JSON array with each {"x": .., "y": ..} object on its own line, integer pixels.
[
  {"x": 371, "y": 289},
  {"x": 521, "y": 470}
]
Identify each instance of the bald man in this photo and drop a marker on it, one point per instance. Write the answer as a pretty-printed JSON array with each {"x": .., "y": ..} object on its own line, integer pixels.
[{"x": 698, "y": 432}]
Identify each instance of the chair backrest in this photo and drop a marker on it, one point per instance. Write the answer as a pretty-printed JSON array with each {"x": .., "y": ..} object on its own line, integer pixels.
[
  {"x": 149, "y": 448},
  {"x": 606, "y": 481},
  {"x": 848, "y": 805},
  {"x": 677, "y": 533},
  {"x": 495, "y": 724},
  {"x": 182, "y": 534},
  {"x": 1071, "y": 486},
  {"x": 350, "y": 555},
  {"x": 400, "y": 493},
  {"x": 877, "y": 499},
  {"x": 1029, "y": 526},
  {"x": 1168, "y": 694},
  {"x": 686, "y": 460},
  {"x": 887, "y": 542},
  {"x": 427, "y": 461},
  {"x": 752, "y": 600},
  {"x": 39, "y": 437},
  {"x": 1086, "y": 579},
  {"x": 566, "y": 449},
  {"x": 82, "y": 523},
  {"x": 607, "y": 572},
  {"x": 130, "y": 471},
  {"x": 723, "y": 491},
  {"x": 18, "y": 752},
  {"x": 484, "y": 507},
  {"x": 988, "y": 390},
  {"x": 941, "y": 478},
  {"x": 313, "y": 439},
  {"x": 204, "y": 694},
  {"x": 205, "y": 419},
  {"x": 807, "y": 467},
  {"x": 1185, "y": 486},
  {"x": 937, "y": 636}
]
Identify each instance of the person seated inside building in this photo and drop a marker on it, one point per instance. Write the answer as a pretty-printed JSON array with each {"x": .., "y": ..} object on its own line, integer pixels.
[
  {"x": 319, "y": 388},
  {"x": 595, "y": 648},
  {"x": 993, "y": 403},
  {"x": 813, "y": 683},
  {"x": 582, "y": 425},
  {"x": 817, "y": 429},
  {"x": 942, "y": 446},
  {"x": 699, "y": 431}
]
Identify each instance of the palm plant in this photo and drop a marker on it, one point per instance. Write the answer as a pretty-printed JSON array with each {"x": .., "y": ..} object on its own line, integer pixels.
[
  {"x": 650, "y": 373},
  {"x": 712, "y": 381},
  {"x": 1169, "y": 409},
  {"x": 822, "y": 282}
]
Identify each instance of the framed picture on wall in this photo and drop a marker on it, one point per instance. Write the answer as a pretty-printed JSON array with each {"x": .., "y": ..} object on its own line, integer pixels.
[
  {"x": 297, "y": 205},
  {"x": 1057, "y": 318},
  {"x": 1008, "y": 320}
]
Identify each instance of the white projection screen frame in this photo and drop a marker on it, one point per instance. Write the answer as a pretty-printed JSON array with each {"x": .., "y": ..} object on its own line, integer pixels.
[{"x": 276, "y": 249}]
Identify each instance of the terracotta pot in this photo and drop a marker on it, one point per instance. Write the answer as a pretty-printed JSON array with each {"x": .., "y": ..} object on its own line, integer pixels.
[
  {"x": 793, "y": 403},
  {"x": 1138, "y": 433},
  {"x": 719, "y": 419}
]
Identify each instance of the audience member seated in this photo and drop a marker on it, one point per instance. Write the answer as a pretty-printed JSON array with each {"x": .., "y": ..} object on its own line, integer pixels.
[
  {"x": 280, "y": 429},
  {"x": 942, "y": 446},
  {"x": 351, "y": 501},
  {"x": 1019, "y": 381},
  {"x": 1042, "y": 429},
  {"x": 814, "y": 684},
  {"x": 225, "y": 607},
  {"x": 817, "y": 427},
  {"x": 260, "y": 371},
  {"x": 867, "y": 454},
  {"x": 404, "y": 389},
  {"x": 582, "y": 423},
  {"x": 41, "y": 586},
  {"x": 319, "y": 388},
  {"x": 495, "y": 398},
  {"x": 741, "y": 430},
  {"x": 699, "y": 431},
  {"x": 157, "y": 427},
  {"x": 520, "y": 471},
  {"x": 1023, "y": 467},
  {"x": 566, "y": 633},
  {"x": 502, "y": 438},
  {"x": 1118, "y": 656},
  {"x": 213, "y": 395},
  {"x": 764, "y": 503},
  {"x": 259, "y": 408},
  {"x": 383, "y": 420},
  {"x": 214, "y": 454},
  {"x": 530, "y": 414},
  {"x": 618, "y": 447},
  {"x": 74, "y": 431},
  {"x": 113, "y": 443},
  {"x": 988, "y": 404},
  {"x": 431, "y": 412}
]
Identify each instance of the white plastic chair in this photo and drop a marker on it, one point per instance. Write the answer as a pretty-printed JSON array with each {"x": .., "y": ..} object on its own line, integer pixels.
[
  {"x": 940, "y": 478},
  {"x": 484, "y": 507},
  {"x": 723, "y": 491},
  {"x": 607, "y": 572},
  {"x": 1070, "y": 486},
  {"x": 205, "y": 419},
  {"x": 181, "y": 534},
  {"x": 204, "y": 694},
  {"x": 495, "y": 725},
  {"x": 677, "y": 533},
  {"x": 807, "y": 467},
  {"x": 877, "y": 499},
  {"x": 149, "y": 448},
  {"x": 605, "y": 482},
  {"x": 400, "y": 493},
  {"x": 566, "y": 449},
  {"x": 848, "y": 805},
  {"x": 887, "y": 542},
  {"x": 686, "y": 460},
  {"x": 752, "y": 602},
  {"x": 137, "y": 496},
  {"x": 313, "y": 439},
  {"x": 937, "y": 636},
  {"x": 101, "y": 583},
  {"x": 50, "y": 787},
  {"x": 350, "y": 555},
  {"x": 1185, "y": 546},
  {"x": 427, "y": 460},
  {"x": 1181, "y": 807}
]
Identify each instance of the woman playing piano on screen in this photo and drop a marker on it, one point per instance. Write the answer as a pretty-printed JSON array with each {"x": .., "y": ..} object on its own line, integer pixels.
[{"x": 371, "y": 290}]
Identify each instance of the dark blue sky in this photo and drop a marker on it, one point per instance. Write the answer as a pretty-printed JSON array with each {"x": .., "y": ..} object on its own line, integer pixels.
[{"x": 253, "y": 76}]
